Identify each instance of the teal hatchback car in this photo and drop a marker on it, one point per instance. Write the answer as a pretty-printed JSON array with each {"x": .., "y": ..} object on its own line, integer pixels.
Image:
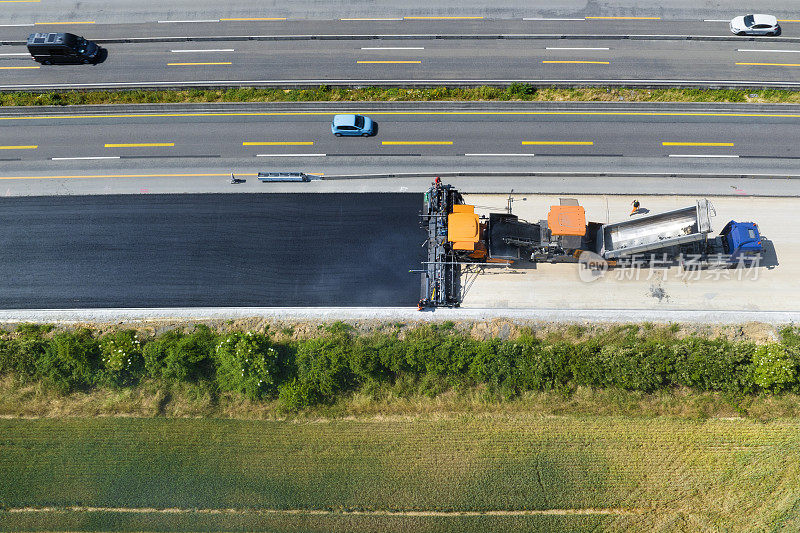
[{"x": 356, "y": 125}]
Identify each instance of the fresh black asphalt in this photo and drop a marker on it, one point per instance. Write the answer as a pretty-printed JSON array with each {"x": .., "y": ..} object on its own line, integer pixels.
[{"x": 198, "y": 250}]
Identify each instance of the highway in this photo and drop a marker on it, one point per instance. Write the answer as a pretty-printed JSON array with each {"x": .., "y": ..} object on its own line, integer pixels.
[
  {"x": 408, "y": 52},
  {"x": 209, "y": 250},
  {"x": 183, "y": 145},
  {"x": 122, "y": 11},
  {"x": 421, "y": 61}
]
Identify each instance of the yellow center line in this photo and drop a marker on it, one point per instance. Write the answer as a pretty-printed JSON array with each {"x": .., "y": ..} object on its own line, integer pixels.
[
  {"x": 590, "y": 62},
  {"x": 139, "y": 145},
  {"x": 15, "y": 68},
  {"x": 278, "y": 143},
  {"x": 254, "y": 18},
  {"x": 772, "y": 64},
  {"x": 442, "y": 18},
  {"x": 694, "y": 144},
  {"x": 564, "y": 143},
  {"x": 121, "y": 176},
  {"x": 21, "y": 147},
  {"x": 438, "y": 113},
  {"x": 193, "y": 64},
  {"x": 788, "y": 20},
  {"x": 390, "y": 62},
  {"x": 405, "y": 143},
  {"x": 624, "y": 18},
  {"x": 75, "y": 22}
]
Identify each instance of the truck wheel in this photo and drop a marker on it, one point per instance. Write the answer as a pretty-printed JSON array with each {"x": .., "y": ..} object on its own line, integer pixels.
[
  {"x": 45, "y": 62},
  {"x": 85, "y": 61},
  {"x": 365, "y": 134},
  {"x": 338, "y": 134}
]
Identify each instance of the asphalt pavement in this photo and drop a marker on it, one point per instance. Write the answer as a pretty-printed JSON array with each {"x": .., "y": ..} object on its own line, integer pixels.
[
  {"x": 617, "y": 146},
  {"x": 120, "y": 11},
  {"x": 400, "y": 62},
  {"x": 209, "y": 250},
  {"x": 411, "y": 52}
]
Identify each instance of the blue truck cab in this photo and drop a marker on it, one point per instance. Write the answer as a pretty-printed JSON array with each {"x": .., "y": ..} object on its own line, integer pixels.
[{"x": 741, "y": 241}]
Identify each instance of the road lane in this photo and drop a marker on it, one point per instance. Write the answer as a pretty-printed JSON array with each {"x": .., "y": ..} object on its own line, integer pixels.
[
  {"x": 209, "y": 250},
  {"x": 256, "y": 63},
  {"x": 209, "y": 141}
]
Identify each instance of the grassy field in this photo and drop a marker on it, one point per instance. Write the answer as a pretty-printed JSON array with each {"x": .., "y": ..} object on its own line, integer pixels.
[
  {"x": 324, "y": 93},
  {"x": 507, "y": 472}
]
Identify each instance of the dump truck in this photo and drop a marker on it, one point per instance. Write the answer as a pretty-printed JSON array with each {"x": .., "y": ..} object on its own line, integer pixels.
[{"x": 459, "y": 240}]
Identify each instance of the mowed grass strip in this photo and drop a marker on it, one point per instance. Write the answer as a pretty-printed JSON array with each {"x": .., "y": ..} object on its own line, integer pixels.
[{"x": 736, "y": 474}]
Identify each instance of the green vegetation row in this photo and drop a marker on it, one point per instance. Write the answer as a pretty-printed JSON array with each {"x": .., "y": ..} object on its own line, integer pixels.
[
  {"x": 324, "y": 93},
  {"x": 426, "y": 360}
]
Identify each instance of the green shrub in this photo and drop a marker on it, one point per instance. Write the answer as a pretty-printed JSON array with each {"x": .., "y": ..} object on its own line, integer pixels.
[
  {"x": 190, "y": 357},
  {"x": 247, "y": 363},
  {"x": 323, "y": 365},
  {"x": 295, "y": 395},
  {"x": 773, "y": 368},
  {"x": 155, "y": 352},
  {"x": 70, "y": 361},
  {"x": 121, "y": 358},
  {"x": 18, "y": 356},
  {"x": 713, "y": 364}
]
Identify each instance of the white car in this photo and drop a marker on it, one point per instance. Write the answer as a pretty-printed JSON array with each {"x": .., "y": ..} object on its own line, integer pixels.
[{"x": 755, "y": 25}]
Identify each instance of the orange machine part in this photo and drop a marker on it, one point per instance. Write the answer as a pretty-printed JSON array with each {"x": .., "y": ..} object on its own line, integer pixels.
[
  {"x": 567, "y": 220},
  {"x": 463, "y": 227}
]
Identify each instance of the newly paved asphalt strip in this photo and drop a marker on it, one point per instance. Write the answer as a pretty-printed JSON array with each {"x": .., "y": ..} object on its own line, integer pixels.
[
  {"x": 203, "y": 250},
  {"x": 188, "y": 144},
  {"x": 421, "y": 61}
]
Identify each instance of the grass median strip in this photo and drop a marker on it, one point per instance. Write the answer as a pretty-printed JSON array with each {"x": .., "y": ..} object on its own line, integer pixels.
[{"x": 325, "y": 93}]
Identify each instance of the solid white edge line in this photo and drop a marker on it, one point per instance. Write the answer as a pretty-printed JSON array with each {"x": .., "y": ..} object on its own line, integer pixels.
[
  {"x": 209, "y": 50},
  {"x": 701, "y": 155},
  {"x": 393, "y": 48},
  {"x": 498, "y": 155},
  {"x": 716, "y": 20},
  {"x": 15, "y": 25},
  {"x": 567, "y": 48},
  {"x": 22, "y": 54},
  {"x": 539, "y": 18},
  {"x": 291, "y": 155},
  {"x": 184, "y": 21},
  {"x": 95, "y": 157},
  {"x": 372, "y": 81},
  {"x": 773, "y": 51}
]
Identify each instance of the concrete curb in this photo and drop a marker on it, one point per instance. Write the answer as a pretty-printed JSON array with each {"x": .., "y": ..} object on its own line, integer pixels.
[
  {"x": 709, "y": 316},
  {"x": 556, "y": 174},
  {"x": 420, "y": 36}
]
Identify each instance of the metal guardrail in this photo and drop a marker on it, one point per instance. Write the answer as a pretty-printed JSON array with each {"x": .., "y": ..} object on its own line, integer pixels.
[{"x": 283, "y": 177}]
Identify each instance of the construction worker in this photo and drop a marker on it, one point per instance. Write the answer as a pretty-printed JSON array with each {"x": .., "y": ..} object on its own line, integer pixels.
[{"x": 635, "y": 208}]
